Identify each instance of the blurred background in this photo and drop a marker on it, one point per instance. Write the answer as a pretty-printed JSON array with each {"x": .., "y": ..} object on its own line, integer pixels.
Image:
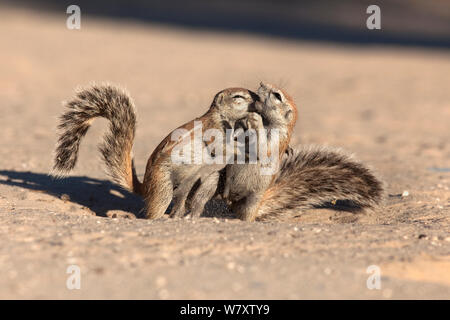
[{"x": 405, "y": 22}]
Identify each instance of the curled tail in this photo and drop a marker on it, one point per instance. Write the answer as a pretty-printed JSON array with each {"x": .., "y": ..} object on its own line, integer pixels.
[
  {"x": 114, "y": 104},
  {"x": 314, "y": 177}
]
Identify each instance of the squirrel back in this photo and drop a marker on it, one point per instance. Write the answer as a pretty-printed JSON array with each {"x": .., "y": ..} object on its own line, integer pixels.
[{"x": 317, "y": 176}]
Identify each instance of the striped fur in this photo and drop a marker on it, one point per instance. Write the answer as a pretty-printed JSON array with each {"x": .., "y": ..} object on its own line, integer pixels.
[
  {"x": 317, "y": 176},
  {"x": 109, "y": 102}
]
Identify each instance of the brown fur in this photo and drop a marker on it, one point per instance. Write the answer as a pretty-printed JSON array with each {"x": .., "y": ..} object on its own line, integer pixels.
[
  {"x": 245, "y": 185},
  {"x": 162, "y": 176},
  {"x": 307, "y": 177},
  {"x": 313, "y": 177},
  {"x": 164, "y": 180},
  {"x": 114, "y": 104}
]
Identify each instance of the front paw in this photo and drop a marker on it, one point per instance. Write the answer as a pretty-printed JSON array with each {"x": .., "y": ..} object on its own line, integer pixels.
[
  {"x": 226, "y": 191},
  {"x": 254, "y": 121}
]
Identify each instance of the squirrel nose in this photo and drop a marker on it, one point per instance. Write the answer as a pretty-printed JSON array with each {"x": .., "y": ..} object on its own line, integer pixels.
[{"x": 257, "y": 106}]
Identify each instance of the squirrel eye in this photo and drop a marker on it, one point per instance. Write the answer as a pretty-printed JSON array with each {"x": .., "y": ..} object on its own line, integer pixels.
[
  {"x": 237, "y": 96},
  {"x": 277, "y": 96}
]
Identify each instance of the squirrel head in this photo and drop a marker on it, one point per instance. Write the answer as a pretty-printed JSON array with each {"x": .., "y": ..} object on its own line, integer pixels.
[
  {"x": 234, "y": 103},
  {"x": 276, "y": 106}
]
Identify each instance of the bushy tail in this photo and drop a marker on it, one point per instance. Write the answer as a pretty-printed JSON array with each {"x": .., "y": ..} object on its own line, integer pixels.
[
  {"x": 315, "y": 177},
  {"x": 114, "y": 104}
]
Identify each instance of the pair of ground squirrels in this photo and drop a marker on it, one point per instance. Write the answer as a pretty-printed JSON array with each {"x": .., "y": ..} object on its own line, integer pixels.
[{"x": 304, "y": 177}]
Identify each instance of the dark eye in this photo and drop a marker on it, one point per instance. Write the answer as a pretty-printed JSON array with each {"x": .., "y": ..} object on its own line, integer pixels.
[
  {"x": 277, "y": 95},
  {"x": 238, "y": 96}
]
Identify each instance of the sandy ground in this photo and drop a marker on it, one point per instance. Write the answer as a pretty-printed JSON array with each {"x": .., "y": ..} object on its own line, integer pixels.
[{"x": 388, "y": 105}]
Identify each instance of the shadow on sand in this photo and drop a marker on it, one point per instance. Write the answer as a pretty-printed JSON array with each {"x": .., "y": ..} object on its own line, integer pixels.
[{"x": 100, "y": 196}]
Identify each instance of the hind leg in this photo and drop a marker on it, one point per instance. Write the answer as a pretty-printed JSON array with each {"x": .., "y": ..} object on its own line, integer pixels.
[
  {"x": 180, "y": 195},
  {"x": 158, "y": 192},
  {"x": 197, "y": 187},
  {"x": 204, "y": 193}
]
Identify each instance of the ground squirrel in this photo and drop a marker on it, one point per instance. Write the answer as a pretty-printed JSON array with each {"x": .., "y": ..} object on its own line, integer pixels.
[
  {"x": 245, "y": 184},
  {"x": 162, "y": 176},
  {"x": 307, "y": 176}
]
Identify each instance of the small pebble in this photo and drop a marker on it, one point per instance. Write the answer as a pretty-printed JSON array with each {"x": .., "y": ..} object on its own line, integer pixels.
[
  {"x": 231, "y": 265},
  {"x": 240, "y": 269},
  {"x": 405, "y": 193},
  {"x": 161, "y": 282},
  {"x": 65, "y": 197}
]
